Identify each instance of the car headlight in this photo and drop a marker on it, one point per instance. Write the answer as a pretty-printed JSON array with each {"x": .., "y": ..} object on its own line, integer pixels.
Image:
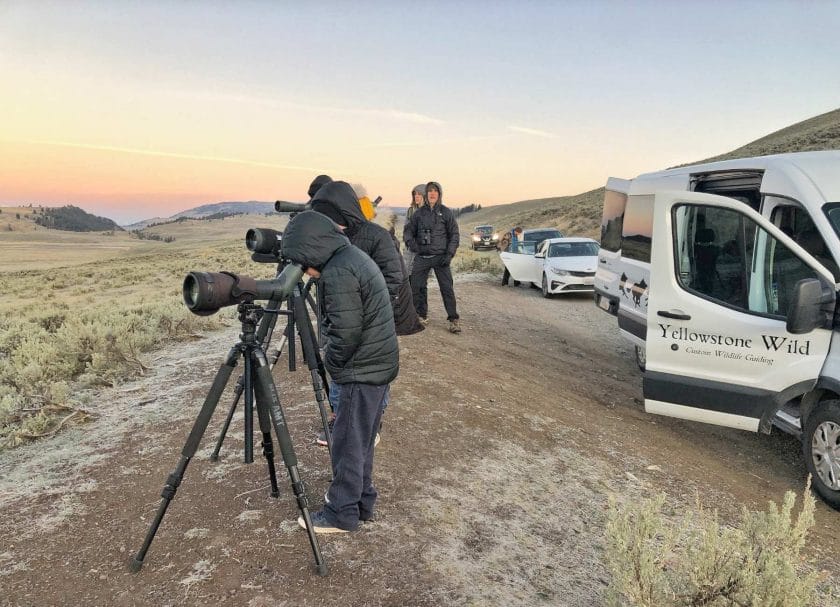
[
  {"x": 495, "y": 237},
  {"x": 559, "y": 271},
  {"x": 476, "y": 238}
]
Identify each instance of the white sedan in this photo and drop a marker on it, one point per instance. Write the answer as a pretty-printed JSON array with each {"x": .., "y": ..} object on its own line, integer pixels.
[{"x": 559, "y": 265}]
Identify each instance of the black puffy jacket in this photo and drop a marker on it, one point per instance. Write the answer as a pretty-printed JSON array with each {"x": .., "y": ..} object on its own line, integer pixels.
[
  {"x": 380, "y": 245},
  {"x": 432, "y": 230},
  {"x": 361, "y": 343}
]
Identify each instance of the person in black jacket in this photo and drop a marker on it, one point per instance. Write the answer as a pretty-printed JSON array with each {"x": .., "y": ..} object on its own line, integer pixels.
[
  {"x": 432, "y": 234},
  {"x": 361, "y": 353},
  {"x": 338, "y": 201}
]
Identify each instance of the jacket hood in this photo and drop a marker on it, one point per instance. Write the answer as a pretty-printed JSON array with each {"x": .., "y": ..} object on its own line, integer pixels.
[
  {"x": 311, "y": 239},
  {"x": 341, "y": 196},
  {"x": 317, "y": 184},
  {"x": 439, "y": 189},
  {"x": 418, "y": 189}
]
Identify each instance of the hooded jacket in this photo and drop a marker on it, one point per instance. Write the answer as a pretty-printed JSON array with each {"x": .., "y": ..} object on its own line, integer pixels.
[
  {"x": 361, "y": 344},
  {"x": 418, "y": 189},
  {"x": 370, "y": 237},
  {"x": 433, "y": 230}
]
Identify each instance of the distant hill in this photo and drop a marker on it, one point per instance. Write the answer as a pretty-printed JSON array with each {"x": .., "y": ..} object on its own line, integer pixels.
[
  {"x": 251, "y": 207},
  {"x": 580, "y": 215},
  {"x": 73, "y": 219}
]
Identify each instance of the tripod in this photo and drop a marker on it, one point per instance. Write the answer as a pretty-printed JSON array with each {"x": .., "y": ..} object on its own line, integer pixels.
[
  {"x": 259, "y": 384},
  {"x": 297, "y": 317}
]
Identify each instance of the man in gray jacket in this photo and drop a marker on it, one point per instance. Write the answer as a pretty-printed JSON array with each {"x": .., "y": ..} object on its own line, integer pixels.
[{"x": 361, "y": 353}]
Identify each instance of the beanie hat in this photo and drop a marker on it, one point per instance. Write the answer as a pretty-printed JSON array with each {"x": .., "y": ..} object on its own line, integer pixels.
[
  {"x": 329, "y": 209},
  {"x": 316, "y": 184}
]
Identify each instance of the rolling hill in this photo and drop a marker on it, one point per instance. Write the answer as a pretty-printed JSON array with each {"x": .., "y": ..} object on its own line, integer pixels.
[{"x": 580, "y": 215}]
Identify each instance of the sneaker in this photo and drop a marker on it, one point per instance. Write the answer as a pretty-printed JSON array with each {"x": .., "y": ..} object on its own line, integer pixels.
[
  {"x": 454, "y": 326},
  {"x": 423, "y": 320},
  {"x": 322, "y": 436},
  {"x": 376, "y": 439},
  {"x": 320, "y": 524}
]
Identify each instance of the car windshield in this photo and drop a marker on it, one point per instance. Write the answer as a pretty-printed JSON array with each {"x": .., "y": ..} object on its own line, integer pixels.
[
  {"x": 572, "y": 249},
  {"x": 484, "y": 230},
  {"x": 540, "y": 235}
]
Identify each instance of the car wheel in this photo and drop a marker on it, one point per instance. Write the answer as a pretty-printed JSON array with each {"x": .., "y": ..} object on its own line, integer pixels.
[
  {"x": 641, "y": 358},
  {"x": 545, "y": 292},
  {"x": 821, "y": 447}
]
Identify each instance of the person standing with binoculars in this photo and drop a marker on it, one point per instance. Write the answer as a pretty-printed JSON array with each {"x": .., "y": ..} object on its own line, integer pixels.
[{"x": 432, "y": 235}]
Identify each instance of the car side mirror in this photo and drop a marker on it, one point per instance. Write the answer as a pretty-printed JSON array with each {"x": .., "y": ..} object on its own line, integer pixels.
[{"x": 811, "y": 307}]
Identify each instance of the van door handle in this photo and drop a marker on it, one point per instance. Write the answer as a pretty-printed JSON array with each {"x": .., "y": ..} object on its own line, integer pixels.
[{"x": 675, "y": 315}]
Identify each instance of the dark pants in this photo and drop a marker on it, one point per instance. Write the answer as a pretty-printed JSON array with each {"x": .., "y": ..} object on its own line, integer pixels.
[
  {"x": 351, "y": 495},
  {"x": 420, "y": 276}
]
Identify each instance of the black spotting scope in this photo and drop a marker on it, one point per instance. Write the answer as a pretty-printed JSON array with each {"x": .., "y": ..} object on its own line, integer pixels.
[
  {"x": 206, "y": 292},
  {"x": 264, "y": 241},
  {"x": 283, "y": 206}
]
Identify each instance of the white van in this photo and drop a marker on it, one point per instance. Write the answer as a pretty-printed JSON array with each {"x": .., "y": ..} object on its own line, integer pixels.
[{"x": 724, "y": 275}]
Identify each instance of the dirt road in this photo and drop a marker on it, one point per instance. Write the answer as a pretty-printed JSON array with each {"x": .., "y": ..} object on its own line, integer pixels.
[{"x": 499, "y": 451}]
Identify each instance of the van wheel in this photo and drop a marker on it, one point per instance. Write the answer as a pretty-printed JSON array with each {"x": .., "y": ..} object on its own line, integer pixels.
[
  {"x": 545, "y": 292},
  {"x": 641, "y": 358},
  {"x": 821, "y": 447}
]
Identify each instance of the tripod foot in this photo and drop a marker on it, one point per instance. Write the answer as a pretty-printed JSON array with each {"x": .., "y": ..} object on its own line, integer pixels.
[
  {"x": 135, "y": 565},
  {"x": 321, "y": 569},
  {"x": 275, "y": 493}
]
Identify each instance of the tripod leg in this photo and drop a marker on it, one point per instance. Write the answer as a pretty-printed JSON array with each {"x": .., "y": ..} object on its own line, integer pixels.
[
  {"x": 266, "y": 392},
  {"x": 267, "y": 445},
  {"x": 309, "y": 345},
  {"x": 191, "y": 446},
  {"x": 249, "y": 411},
  {"x": 237, "y": 394}
]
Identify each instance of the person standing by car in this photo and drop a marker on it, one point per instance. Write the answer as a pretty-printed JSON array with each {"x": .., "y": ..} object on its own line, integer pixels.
[
  {"x": 361, "y": 354},
  {"x": 432, "y": 235},
  {"x": 510, "y": 241}
]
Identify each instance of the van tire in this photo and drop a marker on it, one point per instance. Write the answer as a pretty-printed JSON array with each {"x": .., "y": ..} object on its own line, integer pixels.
[
  {"x": 641, "y": 358},
  {"x": 825, "y": 418}
]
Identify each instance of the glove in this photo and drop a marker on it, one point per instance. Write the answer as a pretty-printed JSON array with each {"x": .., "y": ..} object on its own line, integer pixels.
[{"x": 447, "y": 259}]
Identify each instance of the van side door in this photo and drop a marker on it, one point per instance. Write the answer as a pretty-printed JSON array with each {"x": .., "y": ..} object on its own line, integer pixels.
[{"x": 722, "y": 287}]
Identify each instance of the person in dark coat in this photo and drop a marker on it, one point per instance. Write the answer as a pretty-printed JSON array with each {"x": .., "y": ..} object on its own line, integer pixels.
[
  {"x": 361, "y": 353},
  {"x": 338, "y": 201},
  {"x": 432, "y": 234}
]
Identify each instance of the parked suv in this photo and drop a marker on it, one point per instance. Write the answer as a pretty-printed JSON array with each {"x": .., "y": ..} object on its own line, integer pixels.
[{"x": 483, "y": 237}]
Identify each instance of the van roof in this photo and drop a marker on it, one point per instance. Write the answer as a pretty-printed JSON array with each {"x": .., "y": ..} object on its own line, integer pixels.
[{"x": 822, "y": 169}]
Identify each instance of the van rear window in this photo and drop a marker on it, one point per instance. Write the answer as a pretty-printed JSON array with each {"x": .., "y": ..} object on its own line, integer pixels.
[
  {"x": 612, "y": 220},
  {"x": 637, "y": 228}
]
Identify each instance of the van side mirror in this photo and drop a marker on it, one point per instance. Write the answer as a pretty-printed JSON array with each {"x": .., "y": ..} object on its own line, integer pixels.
[{"x": 811, "y": 307}]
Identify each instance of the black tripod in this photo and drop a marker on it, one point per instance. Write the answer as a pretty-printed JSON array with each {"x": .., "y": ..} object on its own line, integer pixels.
[
  {"x": 259, "y": 384},
  {"x": 298, "y": 318}
]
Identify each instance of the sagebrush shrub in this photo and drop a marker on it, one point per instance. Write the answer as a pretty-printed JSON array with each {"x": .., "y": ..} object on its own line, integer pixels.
[{"x": 657, "y": 560}]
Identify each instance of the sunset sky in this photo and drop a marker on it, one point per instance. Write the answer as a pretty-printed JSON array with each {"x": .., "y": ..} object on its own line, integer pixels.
[{"x": 140, "y": 109}]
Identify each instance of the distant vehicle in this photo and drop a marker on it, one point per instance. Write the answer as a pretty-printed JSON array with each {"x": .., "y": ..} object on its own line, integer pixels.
[
  {"x": 538, "y": 235},
  {"x": 484, "y": 237},
  {"x": 559, "y": 265}
]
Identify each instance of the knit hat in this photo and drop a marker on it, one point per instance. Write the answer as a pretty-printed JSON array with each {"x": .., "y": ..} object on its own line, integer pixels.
[
  {"x": 316, "y": 184},
  {"x": 327, "y": 208}
]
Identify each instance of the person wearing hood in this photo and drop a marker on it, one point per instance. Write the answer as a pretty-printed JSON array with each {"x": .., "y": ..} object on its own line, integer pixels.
[
  {"x": 361, "y": 353},
  {"x": 418, "y": 196},
  {"x": 317, "y": 184},
  {"x": 338, "y": 201},
  {"x": 432, "y": 235}
]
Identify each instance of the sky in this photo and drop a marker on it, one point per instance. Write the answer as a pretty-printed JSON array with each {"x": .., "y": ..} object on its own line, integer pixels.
[{"x": 134, "y": 110}]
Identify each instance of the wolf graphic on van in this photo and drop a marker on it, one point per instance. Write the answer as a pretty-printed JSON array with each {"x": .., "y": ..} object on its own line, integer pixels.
[{"x": 634, "y": 290}]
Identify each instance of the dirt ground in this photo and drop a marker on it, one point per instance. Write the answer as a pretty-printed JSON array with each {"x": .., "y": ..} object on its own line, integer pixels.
[{"x": 499, "y": 451}]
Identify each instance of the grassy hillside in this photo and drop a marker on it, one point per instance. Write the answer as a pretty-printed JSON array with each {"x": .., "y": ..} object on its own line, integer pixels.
[{"x": 580, "y": 215}]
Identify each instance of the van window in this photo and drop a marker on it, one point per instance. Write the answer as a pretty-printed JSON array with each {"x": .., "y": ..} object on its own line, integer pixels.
[
  {"x": 637, "y": 228},
  {"x": 798, "y": 224},
  {"x": 612, "y": 220},
  {"x": 724, "y": 256}
]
